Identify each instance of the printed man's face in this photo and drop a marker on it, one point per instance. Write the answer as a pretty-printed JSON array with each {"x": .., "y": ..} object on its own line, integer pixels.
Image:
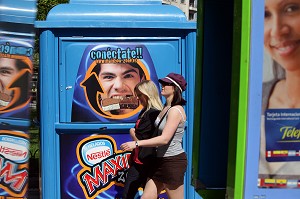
[
  {"x": 8, "y": 71},
  {"x": 118, "y": 81}
]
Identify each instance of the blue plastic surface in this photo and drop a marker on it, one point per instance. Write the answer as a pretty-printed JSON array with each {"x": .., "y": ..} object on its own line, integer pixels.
[
  {"x": 17, "y": 11},
  {"x": 102, "y": 2},
  {"x": 16, "y": 38},
  {"x": 72, "y": 28},
  {"x": 121, "y": 16}
]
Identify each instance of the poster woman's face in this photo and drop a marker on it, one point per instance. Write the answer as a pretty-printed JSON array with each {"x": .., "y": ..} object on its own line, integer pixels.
[{"x": 282, "y": 32}]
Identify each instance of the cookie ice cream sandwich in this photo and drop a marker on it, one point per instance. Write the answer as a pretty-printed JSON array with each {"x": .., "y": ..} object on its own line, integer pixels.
[
  {"x": 127, "y": 102},
  {"x": 4, "y": 99}
]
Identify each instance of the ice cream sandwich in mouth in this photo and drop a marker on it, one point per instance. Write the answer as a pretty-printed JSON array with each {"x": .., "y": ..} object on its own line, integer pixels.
[
  {"x": 126, "y": 102},
  {"x": 4, "y": 99}
]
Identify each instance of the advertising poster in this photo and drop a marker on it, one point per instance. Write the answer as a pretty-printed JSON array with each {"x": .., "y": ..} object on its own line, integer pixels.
[
  {"x": 16, "y": 54},
  {"x": 14, "y": 156},
  {"x": 280, "y": 117},
  {"x": 96, "y": 168},
  {"x": 15, "y": 75},
  {"x": 107, "y": 75},
  {"x": 103, "y": 93}
]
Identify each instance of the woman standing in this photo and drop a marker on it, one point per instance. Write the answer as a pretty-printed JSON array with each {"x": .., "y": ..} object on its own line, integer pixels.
[
  {"x": 141, "y": 159},
  {"x": 171, "y": 162}
]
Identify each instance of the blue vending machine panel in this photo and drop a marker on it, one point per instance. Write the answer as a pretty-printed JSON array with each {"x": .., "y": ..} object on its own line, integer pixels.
[
  {"x": 107, "y": 69},
  {"x": 98, "y": 76},
  {"x": 92, "y": 56},
  {"x": 16, "y": 58},
  {"x": 16, "y": 65}
]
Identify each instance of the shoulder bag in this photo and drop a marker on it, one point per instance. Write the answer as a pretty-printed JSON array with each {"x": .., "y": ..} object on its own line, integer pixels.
[{"x": 146, "y": 152}]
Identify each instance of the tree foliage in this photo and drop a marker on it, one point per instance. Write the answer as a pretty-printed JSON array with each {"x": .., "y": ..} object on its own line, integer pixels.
[{"x": 43, "y": 8}]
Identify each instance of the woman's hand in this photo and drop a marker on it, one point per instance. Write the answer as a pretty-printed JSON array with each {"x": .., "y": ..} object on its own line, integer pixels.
[{"x": 128, "y": 146}]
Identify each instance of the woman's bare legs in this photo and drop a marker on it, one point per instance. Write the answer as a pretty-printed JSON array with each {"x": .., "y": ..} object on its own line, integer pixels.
[
  {"x": 152, "y": 189},
  {"x": 175, "y": 192}
]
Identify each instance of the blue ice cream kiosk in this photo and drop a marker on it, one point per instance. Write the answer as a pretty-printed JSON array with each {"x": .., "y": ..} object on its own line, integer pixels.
[
  {"x": 16, "y": 55},
  {"x": 84, "y": 119}
]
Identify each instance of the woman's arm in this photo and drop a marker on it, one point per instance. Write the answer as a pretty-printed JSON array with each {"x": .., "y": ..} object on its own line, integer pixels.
[
  {"x": 132, "y": 134},
  {"x": 173, "y": 120}
]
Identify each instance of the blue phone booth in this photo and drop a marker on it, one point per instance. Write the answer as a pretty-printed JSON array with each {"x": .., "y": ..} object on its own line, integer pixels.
[{"x": 92, "y": 54}]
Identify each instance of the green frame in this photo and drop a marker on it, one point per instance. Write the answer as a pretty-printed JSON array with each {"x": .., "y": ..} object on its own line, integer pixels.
[
  {"x": 238, "y": 126},
  {"x": 238, "y": 105}
]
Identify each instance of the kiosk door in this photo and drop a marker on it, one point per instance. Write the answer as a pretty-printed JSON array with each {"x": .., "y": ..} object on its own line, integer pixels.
[
  {"x": 96, "y": 110},
  {"x": 89, "y": 74}
]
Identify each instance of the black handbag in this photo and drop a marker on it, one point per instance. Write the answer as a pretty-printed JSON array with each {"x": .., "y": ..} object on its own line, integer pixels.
[{"x": 147, "y": 152}]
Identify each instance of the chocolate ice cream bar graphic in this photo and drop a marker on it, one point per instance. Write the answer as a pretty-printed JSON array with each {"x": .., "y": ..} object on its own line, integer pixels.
[
  {"x": 4, "y": 99},
  {"x": 109, "y": 104},
  {"x": 128, "y": 102}
]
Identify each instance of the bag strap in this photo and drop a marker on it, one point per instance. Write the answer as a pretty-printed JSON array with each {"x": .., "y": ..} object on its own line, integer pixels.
[{"x": 164, "y": 115}]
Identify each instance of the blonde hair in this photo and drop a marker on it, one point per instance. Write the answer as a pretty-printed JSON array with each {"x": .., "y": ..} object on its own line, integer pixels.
[{"x": 149, "y": 89}]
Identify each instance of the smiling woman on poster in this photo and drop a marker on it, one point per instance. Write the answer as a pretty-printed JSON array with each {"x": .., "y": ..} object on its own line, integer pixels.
[
  {"x": 281, "y": 40},
  {"x": 279, "y": 156}
]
